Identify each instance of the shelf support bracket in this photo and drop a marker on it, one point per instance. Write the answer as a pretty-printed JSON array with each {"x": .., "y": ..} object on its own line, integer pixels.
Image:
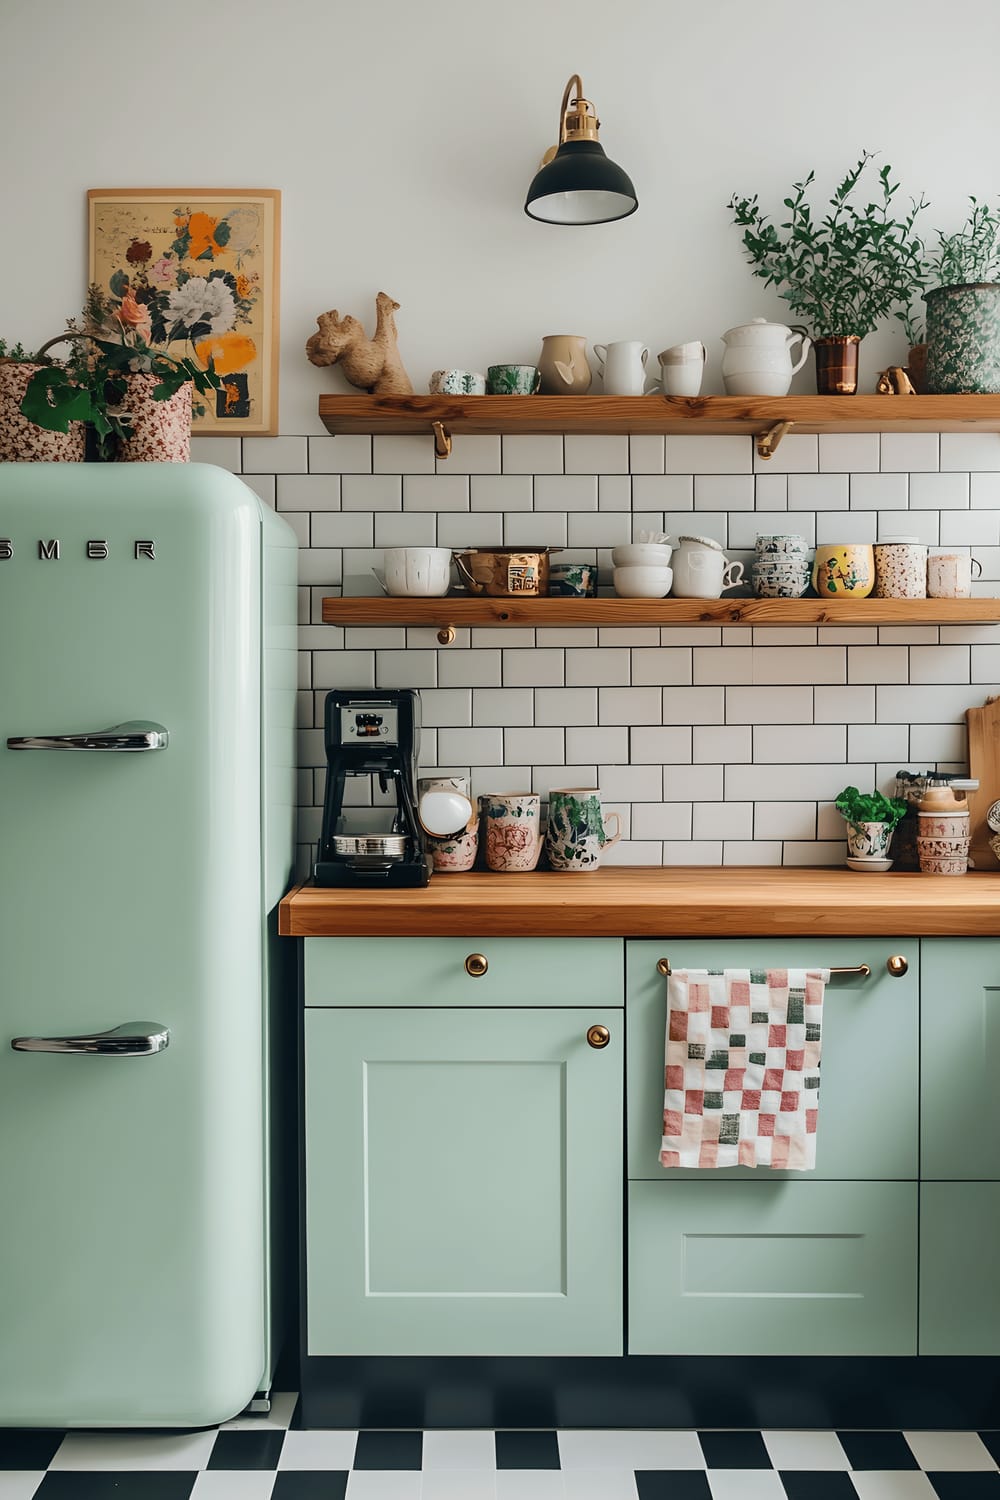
[
  {"x": 767, "y": 442},
  {"x": 442, "y": 440},
  {"x": 446, "y": 635}
]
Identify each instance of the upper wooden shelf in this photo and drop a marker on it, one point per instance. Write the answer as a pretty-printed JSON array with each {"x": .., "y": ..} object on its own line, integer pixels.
[
  {"x": 675, "y": 415},
  {"x": 460, "y": 610}
]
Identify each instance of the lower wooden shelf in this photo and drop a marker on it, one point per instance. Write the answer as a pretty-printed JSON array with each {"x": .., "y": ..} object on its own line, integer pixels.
[{"x": 462, "y": 610}]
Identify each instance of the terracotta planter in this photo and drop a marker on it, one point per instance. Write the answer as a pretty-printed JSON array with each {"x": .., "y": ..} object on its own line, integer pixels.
[
  {"x": 22, "y": 441},
  {"x": 837, "y": 365},
  {"x": 160, "y": 430}
]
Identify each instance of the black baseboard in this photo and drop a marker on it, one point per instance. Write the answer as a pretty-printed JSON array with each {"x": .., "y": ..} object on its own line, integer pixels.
[{"x": 928, "y": 1393}]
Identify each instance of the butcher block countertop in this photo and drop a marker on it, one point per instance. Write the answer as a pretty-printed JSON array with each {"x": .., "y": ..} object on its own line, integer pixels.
[{"x": 647, "y": 901}]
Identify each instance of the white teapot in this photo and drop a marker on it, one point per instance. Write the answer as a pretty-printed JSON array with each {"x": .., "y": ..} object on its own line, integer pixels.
[{"x": 758, "y": 358}]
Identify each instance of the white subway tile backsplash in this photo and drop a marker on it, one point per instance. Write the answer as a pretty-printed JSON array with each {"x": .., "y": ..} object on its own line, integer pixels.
[
  {"x": 535, "y": 454},
  {"x": 586, "y": 454},
  {"x": 879, "y": 491},
  {"x": 939, "y": 491},
  {"x": 721, "y": 744},
  {"x": 715, "y": 744},
  {"x": 224, "y": 452},
  {"x": 566, "y": 492},
  {"x": 910, "y": 452},
  {"x": 848, "y": 452},
  {"x": 266, "y": 486},
  {"x": 347, "y": 453}
]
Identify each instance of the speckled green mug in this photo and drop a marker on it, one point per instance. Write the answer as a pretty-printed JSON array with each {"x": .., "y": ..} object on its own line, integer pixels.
[
  {"x": 513, "y": 380},
  {"x": 576, "y": 831}
]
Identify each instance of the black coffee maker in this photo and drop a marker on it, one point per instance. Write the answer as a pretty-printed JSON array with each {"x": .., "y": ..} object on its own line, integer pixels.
[{"x": 373, "y": 734}]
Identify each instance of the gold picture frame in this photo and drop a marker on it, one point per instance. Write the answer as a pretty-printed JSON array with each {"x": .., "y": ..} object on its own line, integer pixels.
[{"x": 223, "y": 245}]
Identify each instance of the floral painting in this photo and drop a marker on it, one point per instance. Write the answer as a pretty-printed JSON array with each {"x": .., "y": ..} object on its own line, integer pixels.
[{"x": 196, "y": 273}]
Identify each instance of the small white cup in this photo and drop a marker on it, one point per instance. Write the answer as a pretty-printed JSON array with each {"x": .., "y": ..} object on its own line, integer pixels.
[
  {"x": 682, "y": 368},
  {"x": 418, "y": 571},
  {"x": 950, "y": 575}
]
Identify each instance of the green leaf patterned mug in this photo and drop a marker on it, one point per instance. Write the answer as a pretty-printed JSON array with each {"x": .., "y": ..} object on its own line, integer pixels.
[
  {"x": 513, "y": 380},
  {"x": 576, "y": 831}
]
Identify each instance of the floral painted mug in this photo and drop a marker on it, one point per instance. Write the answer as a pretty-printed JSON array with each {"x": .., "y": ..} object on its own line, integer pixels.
[
  {"x": 512, "y": 825},
  {"x": 576, "y": 831}
]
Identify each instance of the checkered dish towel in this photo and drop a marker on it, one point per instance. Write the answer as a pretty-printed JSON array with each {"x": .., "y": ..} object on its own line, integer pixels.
[{"x": 742, "y": 1068}]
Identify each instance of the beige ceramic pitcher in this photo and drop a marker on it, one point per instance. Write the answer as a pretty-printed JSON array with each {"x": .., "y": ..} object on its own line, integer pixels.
[{"x": 563, "y": 364}]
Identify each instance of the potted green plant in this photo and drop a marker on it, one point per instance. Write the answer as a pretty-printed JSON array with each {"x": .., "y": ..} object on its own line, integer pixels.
[
  {"x": 840, "y": 273},
  {"x": 135, "y": 397},
  {"x": 963, "y": 307},
  {"x": 20, "y": 439},
  {"x": 871, "y": 820}
]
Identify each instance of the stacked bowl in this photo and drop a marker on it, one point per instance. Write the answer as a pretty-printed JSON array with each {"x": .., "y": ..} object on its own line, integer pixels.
[
  {"x": 780, "y": 568},
  {"x": 642, "y": 570},
  {"x": 943, "y": 842}
]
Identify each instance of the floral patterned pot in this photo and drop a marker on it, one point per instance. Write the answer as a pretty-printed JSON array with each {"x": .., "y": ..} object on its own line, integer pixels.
[
  {"x": 844, "y": 568},
  {"x": 512, "y": 825},
  {"x": 22, "y": 441},
  {"x": 576, "y": 831},
  {"x": 160, "y": 430},
  {"x": 458, "y": 853},
  {"x": 869, "y": 840},
  {"x": 963, "y": 339},
  {"x": 901, "y": 570}
]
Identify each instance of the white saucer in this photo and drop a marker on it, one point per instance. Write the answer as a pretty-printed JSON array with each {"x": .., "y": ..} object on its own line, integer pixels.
[{"x": 873, "y": 866}]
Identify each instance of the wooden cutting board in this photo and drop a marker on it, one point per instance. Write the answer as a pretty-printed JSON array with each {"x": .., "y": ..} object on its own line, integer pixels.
[{"x": 984, "y": 765}]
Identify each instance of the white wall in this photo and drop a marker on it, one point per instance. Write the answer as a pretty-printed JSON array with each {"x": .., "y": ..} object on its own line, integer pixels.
[{"x": 403, "y": 138}]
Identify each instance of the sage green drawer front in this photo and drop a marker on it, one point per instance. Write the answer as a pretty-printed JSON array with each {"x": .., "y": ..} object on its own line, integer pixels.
[
  {"x": 959, "y": 1284},
  {"x": 868, "y": 1094},
  {"x": 432, "y": 971},
  {"x": 772, "y": 1268},
  {"x": 960, "y": 1059},
  {"x": 464, "y": 1182}
]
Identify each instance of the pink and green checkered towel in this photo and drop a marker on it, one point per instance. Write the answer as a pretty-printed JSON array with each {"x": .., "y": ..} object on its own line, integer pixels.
[{"x": 742, "y": 1068}]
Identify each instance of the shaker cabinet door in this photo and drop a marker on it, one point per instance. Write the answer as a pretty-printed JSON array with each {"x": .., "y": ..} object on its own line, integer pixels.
[
  {"x": 960, "y": 1059},
  {"x": 464, "y": 1182},
  {"x": 959, "y": 1289},
  {"x": 868, "y": 1074}
]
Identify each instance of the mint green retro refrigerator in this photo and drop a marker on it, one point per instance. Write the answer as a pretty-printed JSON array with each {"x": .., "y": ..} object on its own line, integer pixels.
[{"x": 147, "y": 677}]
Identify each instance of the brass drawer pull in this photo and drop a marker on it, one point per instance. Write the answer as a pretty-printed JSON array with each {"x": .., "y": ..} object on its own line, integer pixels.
[
  {"x": 598, "y": 1036},
  {"x": 897, "y": 965},
  {"x": 476, "y": 964}
]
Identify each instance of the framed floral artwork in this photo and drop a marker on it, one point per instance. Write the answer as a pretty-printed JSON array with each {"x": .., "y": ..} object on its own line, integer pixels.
[{"x": 196, "y": 271}]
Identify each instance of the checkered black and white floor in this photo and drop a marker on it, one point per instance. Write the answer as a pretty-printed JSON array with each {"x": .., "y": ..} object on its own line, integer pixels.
[{"x": 267, "y": 1458}]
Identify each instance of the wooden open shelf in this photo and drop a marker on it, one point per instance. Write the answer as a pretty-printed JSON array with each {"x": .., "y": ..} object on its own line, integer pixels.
[
  {"x": 461, "y": 610},
  {"x": 674, "y": 415}
]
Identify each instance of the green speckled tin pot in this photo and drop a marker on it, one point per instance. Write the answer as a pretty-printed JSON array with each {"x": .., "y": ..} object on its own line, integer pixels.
[{"x": 963, "y": 339}]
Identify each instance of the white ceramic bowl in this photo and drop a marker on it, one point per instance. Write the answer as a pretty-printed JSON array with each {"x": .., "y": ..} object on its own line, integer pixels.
[
  {"x": 643, "y": 582},
  {"x": 642, "y": 554},
  {"x": 418, "y": 571},
  {"x": 871, "y": 866}
]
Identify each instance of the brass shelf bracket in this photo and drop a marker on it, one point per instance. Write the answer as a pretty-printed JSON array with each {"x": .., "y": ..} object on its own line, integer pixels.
[
  {"x": 446, "y": 635},
  {"x": 767, "y": 442},
  {"x": 442, "y": 440}
]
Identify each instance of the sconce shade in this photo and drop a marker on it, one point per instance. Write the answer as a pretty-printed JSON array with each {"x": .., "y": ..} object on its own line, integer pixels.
[{"x": 580, "y": 185}]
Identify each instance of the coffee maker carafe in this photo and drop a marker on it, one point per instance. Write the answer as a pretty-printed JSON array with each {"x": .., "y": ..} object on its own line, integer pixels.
[{"x": 372, "y": 733}]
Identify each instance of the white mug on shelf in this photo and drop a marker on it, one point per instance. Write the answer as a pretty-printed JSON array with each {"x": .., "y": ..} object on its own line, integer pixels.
[
  {"x": 623, "y": 366},
  {"x": 682, "y": 367}
]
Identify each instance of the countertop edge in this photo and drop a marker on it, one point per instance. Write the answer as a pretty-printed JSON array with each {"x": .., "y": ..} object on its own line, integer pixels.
[{"x": 638, "y": 902}]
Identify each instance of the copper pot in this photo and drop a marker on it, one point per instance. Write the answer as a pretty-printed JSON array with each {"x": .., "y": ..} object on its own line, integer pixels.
[{"x": 505, "y": 572}]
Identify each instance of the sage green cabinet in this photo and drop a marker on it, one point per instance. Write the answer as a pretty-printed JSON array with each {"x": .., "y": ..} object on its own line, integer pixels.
[
  {"x": 959, "y": 1284},
  {"x": 772, "y": 1267},
  {"x": 868, "y": 1096},
  {"x": 463, "y": 1179},
  {"x": 960, "y": 1060}
]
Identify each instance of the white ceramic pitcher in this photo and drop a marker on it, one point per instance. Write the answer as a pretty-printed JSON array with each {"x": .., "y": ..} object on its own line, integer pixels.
[
  {"x": 623, "y": 366},
  {"x": 758, "y": 359}
]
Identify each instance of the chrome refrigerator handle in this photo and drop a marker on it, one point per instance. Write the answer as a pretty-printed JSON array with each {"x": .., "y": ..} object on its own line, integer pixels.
[
  {"x": 133, "y": 1039},
  {"x": 136, "y": 734}
]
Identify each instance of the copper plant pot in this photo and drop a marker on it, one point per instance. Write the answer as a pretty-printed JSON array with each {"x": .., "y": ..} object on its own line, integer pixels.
[
  {"x": 916, "y": 368},
  {"x": 837, "y": 365}
]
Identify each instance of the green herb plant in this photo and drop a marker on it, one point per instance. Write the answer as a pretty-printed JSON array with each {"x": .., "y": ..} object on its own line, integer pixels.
[
  {"x": 970, "y": 255},
  {"x": 869, "y": 807},
  {"x": 842, "y": 273},
  {"x": 15, "y": 352}
]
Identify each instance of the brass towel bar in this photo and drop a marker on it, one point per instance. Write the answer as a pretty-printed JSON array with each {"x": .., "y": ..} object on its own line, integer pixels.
[{"x": 897, "y": 966}]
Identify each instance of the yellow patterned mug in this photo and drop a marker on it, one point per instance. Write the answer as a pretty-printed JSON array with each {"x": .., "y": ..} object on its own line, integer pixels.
[{"x": 844, "y": 568}]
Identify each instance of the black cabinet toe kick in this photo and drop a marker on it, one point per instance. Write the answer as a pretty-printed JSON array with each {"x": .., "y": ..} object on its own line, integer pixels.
[{"x": 656, "y": 1391}]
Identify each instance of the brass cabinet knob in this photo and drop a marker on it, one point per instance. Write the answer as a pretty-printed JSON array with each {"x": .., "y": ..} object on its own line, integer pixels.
[
  {"x": 476, "y": 964},
  {"x": 598, "y": 1036},
  {"x": 663, "y": 967},
  {"x": 897, "y": 965}
]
